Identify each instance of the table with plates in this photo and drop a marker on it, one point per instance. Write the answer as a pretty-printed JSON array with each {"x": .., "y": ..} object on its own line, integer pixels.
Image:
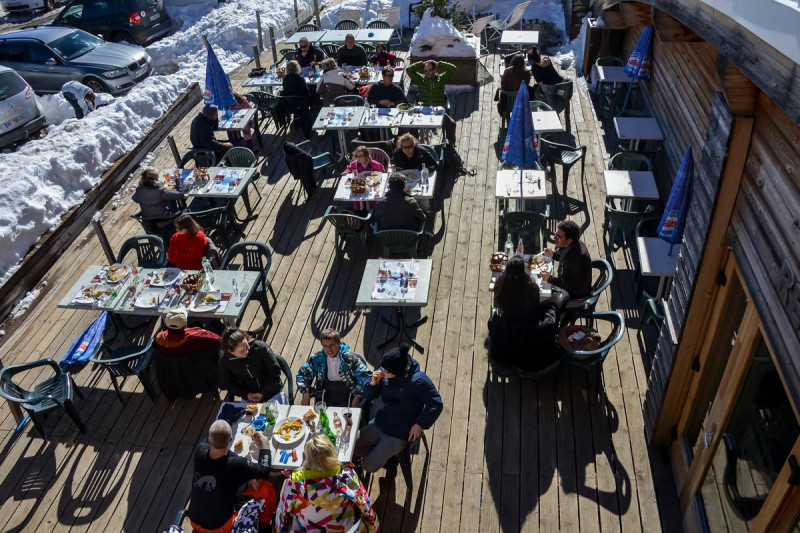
[
  {"x": 223, "y": 183},
  {"x": 271, "y": 79},
  {"x": 519, "y": 38},
  {"x": 237, "y": 121},
  {"x": 340, "y": 120},
  {"x": 367, "y": 288},
  {"x": 280, "y": 450},
  {"x": 375, "y": 75},
  {"x": 547, "y": 293},
  {"x": 376, "y": 188},
  {"x": 312, "y": 36},
  {"x": 152, "y": 292},
  {"x": 655, "y": 260},
  {"x": 546, "y": 122},
  {"x": 423, "y": 193},
  {"x": 636, "y": 129}
]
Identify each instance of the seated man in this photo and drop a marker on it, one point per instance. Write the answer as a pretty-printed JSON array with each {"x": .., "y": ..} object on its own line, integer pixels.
[
  {"x": 307, "y": 55},
  {"x": 400, "y": 210},
  {"x": 431, "y": 89},
  {"x": 386, "y": 93},
  {"x": 178, "y": 340},
  {"x": 574, "y": 261},
  {"x": 202, "y": 132},
  {"x": 351, "y": 54},
  {"x": 218, "y": 476},
  {"x": 409, "y": 155}
]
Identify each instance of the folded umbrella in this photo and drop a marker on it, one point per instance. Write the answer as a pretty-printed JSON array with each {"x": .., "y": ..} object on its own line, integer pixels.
[
  {"x": 638, "y": 65},
  {"x": 673, "y": 222}
]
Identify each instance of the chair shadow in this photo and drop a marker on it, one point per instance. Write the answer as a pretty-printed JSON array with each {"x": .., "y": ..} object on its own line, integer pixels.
[
  {"x": 296, "y": 216},
  {"x": 30, "y": 476},
  {"x": 335, "y": 304}
]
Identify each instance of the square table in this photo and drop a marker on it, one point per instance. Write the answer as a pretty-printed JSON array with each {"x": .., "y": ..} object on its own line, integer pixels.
[
  {"x": 547, "y": 293},
  {"x": 312, "y": 36},
  {"x": 507, "y": 185},
  {"x": 655, "y": 261},
  {"x": 519, "y": 38},
  {"x": 336, "y": 36},
  {"x": 420, "y": 299},
  {"x": 611, "y": 74},
  {"x": 546, "y": 122},
  {"x": 637, "y": 129},
  {"x": 373, "y": 194},
  {"x": 215, "y": 187},
  {"x": 238, "y": 120},
  {"x": 631, "y": 184},
  {"x": 339, "y": 119},
  {"x": 344, "y": 450},
  {"x": 378, "y": 35}
]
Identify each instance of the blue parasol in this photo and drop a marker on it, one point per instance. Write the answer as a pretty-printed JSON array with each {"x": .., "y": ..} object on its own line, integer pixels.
[
  {"x": 520, "y": 145},
  {"x": 85, "y": 345},
  {"x": 218, "y": 86},
  {"x": 673, "y": 221},
  {"x": 638, "y": 65}
]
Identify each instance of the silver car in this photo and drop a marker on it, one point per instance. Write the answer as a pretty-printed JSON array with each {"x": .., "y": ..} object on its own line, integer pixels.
[
  {"x": 49, "y": 56},
  {"x": 20, "y": 114}
]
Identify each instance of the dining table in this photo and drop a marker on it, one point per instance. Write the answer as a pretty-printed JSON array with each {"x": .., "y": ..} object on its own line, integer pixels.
[
  {"x": 236, "y": 120},
  {"x": 658, "y": 258},
  {"x": 374, "y": 35},
  {"x": 312, "y": 36},
  {"x": 340, "y": 120},
  {"x": 631, "y": 186},
  {"x": 546, "y": 122},
  {"x": 519, "y": 38},
  {"x": 522, "y": 187},
  {"x": 547, "y": 293},
  {"x": 637, "y": 129}
]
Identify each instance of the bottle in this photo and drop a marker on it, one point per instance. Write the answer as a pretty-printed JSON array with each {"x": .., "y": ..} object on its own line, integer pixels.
[
  {"x": 208, "y": 271},
  {"x": 508, "y": 248},
  {"x": 424, "y": 175},
  {"x": 520, "y": 247}
]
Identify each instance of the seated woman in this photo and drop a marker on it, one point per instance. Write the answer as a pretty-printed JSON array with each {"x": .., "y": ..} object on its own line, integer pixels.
[
  {"x": 293, "y": 85},
  {"x": 323, "y": 495},
  {"x": 248, "y": 368},
  {"x": 511, "y": 80},
  {"x": 335, "y": 371},
  {"x": 542, "y": 68},
  {"x": 188, "y": 246},
  {"x": 408, "y": 154},
  {"x": 246, "y": 136},
  {"x": 382, "y": 56},
  {"x": 400, "y": 210},
  {"x": 154, "y": 199},
  {"x": 362, "y": 162},
  {"x": 516, "y": 295},
  {"x": 333, "y": 82}
]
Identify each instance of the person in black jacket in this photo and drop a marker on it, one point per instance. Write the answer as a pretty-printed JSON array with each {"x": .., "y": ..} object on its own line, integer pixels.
[
  {"x": 218, "y": 475},
  {"x": 574, "y": 261},
  {"x": 294, "y": 84},
  {"x": 409, "y": 155},
  {"x": 201, "y": 133},
  {"x": 351, "y": 54},
  {"x": 307, "y": 55},
  {"x": 400, "y": 210},
  {"x": 386, "y": 93},
  {"x": 248, "y": 368}
]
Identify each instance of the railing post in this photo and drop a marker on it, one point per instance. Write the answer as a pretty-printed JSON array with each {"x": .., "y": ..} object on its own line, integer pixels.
[
  {"x": 256, "y": 56},
  {"x": 260, "y": 34},
  {"x": 316, "y": 13},
  {"x": 296, "y": 13},
  {"x": 174, "y": 148},
  {"x": 101, "y": 236},
  {"x": 273, "y": 45}
]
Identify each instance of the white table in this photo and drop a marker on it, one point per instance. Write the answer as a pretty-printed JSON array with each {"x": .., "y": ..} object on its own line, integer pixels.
[
  {"x": 270, "y": 79},
  {"x": 312, "y": 36},
  {"x": 507, "y": 185},
  {"x": 238, "y": 120},
  {"x": 373, "y": 194},
  {"x": 546, "y": 122},
  {"x": 337, "y": 36},
  {"x": 519, "y": 38},
  {"x": 637, "y": 129},
  {"x": 546, "y": 292},
  {"x": 420, "y": 299},
  {"x": 656, "y": 261},
  {"x": 424, "y": 123},
  {"x": 610, "y": 74},
  {"x": 631, "y": 184},
  {"x": 351, "y": 120},
  {"x": 378, "y": 35}
]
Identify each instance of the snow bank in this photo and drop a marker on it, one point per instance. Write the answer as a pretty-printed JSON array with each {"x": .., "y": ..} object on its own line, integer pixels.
[
  {"x": 22, "y": 306},
  {"x": 44, "y": 178},
  {"x": 570, "y": 56},
  {"x": 437, "y": 37}
]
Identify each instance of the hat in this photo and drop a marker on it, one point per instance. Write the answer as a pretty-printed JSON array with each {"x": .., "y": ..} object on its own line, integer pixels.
[
  {"x": 396, "y": 361},
  {"x": 176, "y": 318},
  {"x": 209, "y": 110}
]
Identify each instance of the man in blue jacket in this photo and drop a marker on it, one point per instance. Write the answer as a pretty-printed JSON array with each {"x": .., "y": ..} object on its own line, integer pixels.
[{"x": 411, "y": 404}]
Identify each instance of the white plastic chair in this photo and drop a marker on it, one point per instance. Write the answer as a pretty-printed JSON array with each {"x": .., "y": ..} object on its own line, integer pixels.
[
  {"x": 479, "y": 27},
  {"x": 350, "y": 14},
  {"x": 391, "y": 15},
  {"x": 499, "y": 26},
  {"x": 481, "y": 6}
]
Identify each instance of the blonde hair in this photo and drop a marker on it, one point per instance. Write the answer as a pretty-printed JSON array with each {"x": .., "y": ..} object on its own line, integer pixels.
[
  {"x": 328, "y": 64},
  {"x": 293, "y": 67},
  {"x": 320, "y": 454}
]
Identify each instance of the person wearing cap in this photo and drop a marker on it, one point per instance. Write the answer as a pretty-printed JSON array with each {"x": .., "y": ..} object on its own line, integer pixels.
[
  {"x": 307, "y": 54},
  {"x": 179, "y": 341},
  {"x": 386, "y": 93},
  {"x": 411, "y": 404},
  {"x": 202, "y": 130},
  {"x": 218, "y": 475},
  {"x": 351, "y": 54},
  {"x": 400, "y": 210}
]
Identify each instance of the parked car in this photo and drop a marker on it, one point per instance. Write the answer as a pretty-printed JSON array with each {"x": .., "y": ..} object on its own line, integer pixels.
[
  {"x": 20, "y": 6},
  {"x": 49, "y": 56},
  {"x": 135, "y": 21},
  {"x": 20, "y": 114}
]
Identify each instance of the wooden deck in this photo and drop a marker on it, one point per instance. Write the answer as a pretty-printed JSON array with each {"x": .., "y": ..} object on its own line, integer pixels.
[{"x": 507, "y": 454}]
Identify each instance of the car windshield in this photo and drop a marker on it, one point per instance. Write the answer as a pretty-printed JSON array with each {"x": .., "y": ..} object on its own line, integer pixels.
[
  {"x": 10, "y": 85},
  {"x": 75, "y": 44}
]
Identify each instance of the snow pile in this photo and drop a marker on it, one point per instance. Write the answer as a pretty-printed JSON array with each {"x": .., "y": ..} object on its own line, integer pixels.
[
  {"x": 22, "y": 306},
  {"x": 544, "y": 10},
  {"x": 47, "y": 177},
  {"x": 570, "y": 56},
  {"x": 437, "y": 37}
]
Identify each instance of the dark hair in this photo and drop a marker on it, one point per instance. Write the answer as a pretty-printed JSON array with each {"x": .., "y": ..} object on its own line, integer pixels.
[
  {"x": 571, "y": 229},
  {"x": 533, "y": 55},
  {"x": 330, "y": 334},
  {"x": 188, "y": 223},
  {"x": 518, "y": 64},
  {"x": 397, "y": 182},
  {"x": 387, "y": 70},
  {"x": 514, "y": 288},
  {"x": 232, "y": 338}
]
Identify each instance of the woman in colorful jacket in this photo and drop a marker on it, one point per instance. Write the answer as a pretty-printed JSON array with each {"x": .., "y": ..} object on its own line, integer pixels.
[
  {"x": 337, "y": 371},
  {"x": 323, "y": 495}
]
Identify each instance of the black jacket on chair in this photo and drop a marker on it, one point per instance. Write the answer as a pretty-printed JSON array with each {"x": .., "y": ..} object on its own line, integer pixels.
[
  {"x": 300, "y": 166},
  {"x": 186, "y": 377}
]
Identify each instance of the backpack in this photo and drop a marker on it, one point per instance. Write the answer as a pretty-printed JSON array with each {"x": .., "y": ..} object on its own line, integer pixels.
[{"x": 453, "y": 163}]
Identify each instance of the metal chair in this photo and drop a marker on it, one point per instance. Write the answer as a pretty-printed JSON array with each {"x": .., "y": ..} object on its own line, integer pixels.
[
  {"x": 499, "y": 26},
  {"x": 255, "y": 257},
  {"x": 308, "y": 27},
  {"x": 378, "y": 25},
  {"x": 347, "y": 224},
  {"x": 200, "y": 156},
  {"x": 618, "y": 219},
  {"x": 478, "y": 28},
  {"x": 538, "y": 105},
  {"x": 558, "y": 96},
  {"x": 510, "y": 97},
  {"x": 608, "y": 61},
  {"x": 529, "y": 225},
  {"x": 150, "y": 251},
  {"x": 380, "y": 156},
  {"x": 287, "y": 372},
  {"x": 555, "y": 150},
  {"x": 127, "y": 361},
  {"x": 630, "y": 161},
  {"x": 46, "y": 395},
  {"x": 605, "y": 275},
  {"x": 590, "y": 359},
  {"x": 305, "y": 167},
  {"x": 400, "y": 242},
  {"x": 347, "y": 25},
  {"x": 348, "y": 100}
]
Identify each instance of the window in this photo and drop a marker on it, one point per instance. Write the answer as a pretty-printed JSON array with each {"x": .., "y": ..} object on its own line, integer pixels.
[
  {"x": 10, "y": 85},
  {"x": 75, "y": 44},
  {"x": 72, "y": 15},
  {"x": 39, "y": 53},
  {"x": 13, "y": 51}
]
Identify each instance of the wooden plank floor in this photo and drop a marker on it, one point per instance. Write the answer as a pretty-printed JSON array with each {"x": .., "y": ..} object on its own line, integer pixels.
[{"x": 507, "y": 454}]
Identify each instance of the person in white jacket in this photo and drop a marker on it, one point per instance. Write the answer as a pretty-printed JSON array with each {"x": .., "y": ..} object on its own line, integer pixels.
[
  {"x": 80, "y": 96},
  {"x": 333, "y": 82}
]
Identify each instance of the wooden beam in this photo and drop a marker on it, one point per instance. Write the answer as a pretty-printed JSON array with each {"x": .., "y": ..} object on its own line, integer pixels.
[
  {"x": 635, "y": 13},
  {"x": 670, "y": 30},
  {"x": 741, "y": 94},
  {"x": 781, "y": 509}
]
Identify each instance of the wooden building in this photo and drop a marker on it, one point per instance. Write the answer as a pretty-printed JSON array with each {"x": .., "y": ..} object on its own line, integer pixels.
[{"x": 723, "y": 396}]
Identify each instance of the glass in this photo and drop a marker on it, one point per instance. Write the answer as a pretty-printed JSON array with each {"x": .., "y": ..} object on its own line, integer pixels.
[
  {"x": 756, "y": 442},
  {"x": 75, "y": 44}
]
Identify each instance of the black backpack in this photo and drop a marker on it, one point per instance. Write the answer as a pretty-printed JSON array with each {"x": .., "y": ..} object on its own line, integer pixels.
[{"x": 453, "y": 164}]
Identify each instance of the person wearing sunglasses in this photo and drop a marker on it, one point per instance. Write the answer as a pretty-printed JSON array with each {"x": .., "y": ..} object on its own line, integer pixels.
[
  {"x": 574, "y": 262},
  {"x": 307, "y": 55},
  {"x": 386, "y": 93},
  {"x": 409, "y": 156}
]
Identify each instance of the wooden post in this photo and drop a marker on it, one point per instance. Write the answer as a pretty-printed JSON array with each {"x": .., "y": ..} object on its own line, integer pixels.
[
  {"x": 260, "y": 33},
  {"x": 256, "y": 56},
  {"x": 273, "y": 45},
  {"x": 316, "y": 13},
  {"x": 101, "y": 236},
  {"x": 174, "y": 148},
  {"x": 296, "y": 13}
]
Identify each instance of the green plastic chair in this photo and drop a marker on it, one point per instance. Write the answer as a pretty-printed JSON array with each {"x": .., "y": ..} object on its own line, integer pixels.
[
  {"x": 150, "y": 251},
  {"x": 561, "y": 148},
  {"x": 347, "y": 224},
  {"x": 538, "y": 105},
  {"x": 346, "y": 25},
  {"x": 630, "y": 161},
  {"x": 530, "y": 225},
  {"x": 400, "y": 242},
  {"x": 619, "y": 220},
  {"x": 308, "y": 27},
  {"x": 590, "y": 359},
  {"x": 605, "y": 275},
  {"x": 242, "y": 157}
]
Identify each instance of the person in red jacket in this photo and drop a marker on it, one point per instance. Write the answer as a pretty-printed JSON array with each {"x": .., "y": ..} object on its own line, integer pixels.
[
  {"x": 178, "y": 340},
  {"x": 187, "y": 247}
]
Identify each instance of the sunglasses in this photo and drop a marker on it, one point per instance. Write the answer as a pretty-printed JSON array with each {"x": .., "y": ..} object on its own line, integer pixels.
[
  {"x": 407, "y": 146},
  {"x": 303, "y": 46}
]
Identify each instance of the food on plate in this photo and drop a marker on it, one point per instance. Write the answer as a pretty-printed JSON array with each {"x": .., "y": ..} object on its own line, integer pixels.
[
  {"x": 536, "y": 262},
  {"x": 290, "y": 429},
  {"x": 116, "y": 273},
  {"x": 309, "y": 415},
  {"x": 405, "y": 107},
  {"x": 153, "y": 300},
  {"x": 92, "y": 292},
  {"x": 358, "y": 186},
  {"x": 209, "y": 299},
  {"x": 192, "y": 283},
  {"x": 497, "y": 261},
  {"x": 249, "y": 431},
  {"x": 252, "y": 408},
  {"x": 238, "y": 445}
]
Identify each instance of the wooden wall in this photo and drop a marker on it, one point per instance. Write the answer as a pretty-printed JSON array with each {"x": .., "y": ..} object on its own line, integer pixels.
[{"x": 765, "y": 234}]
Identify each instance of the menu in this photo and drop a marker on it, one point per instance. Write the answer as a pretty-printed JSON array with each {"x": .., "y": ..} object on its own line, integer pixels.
[
  {"x": 186, "y": 174},
  {"x": 226, "y": 180},
  {"x": 234, "y": 120},
  {"x": 396, "y": 280}
]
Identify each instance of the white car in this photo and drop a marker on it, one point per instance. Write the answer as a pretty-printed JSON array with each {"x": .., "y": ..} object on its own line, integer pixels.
[
  {"x": 19, "y": 6},
  {"x": 20, "y": 114}
]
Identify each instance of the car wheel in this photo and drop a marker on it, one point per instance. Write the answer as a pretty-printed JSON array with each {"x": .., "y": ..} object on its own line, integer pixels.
[
  {"x": 118, "y": 36},
  {"x": 95, "y": 85}
]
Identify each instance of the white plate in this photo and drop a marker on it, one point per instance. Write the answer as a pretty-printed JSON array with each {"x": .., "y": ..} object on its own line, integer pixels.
[
  {"x": 165, "y": 277},
  {"x": 82, "y": 298},
  {"x": 198, "y": 306},
  {"x": 546, "y": 267},
  {"x": 121, "y": 278},
  {"x": 294, "y": 440},
  {"x": 150, "y": 298}
]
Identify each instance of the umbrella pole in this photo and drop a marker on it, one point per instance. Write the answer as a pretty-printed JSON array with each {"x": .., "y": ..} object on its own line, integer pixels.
[
  {"x": 670, "y": 249},
  {"x": 627, "y": 95}
]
